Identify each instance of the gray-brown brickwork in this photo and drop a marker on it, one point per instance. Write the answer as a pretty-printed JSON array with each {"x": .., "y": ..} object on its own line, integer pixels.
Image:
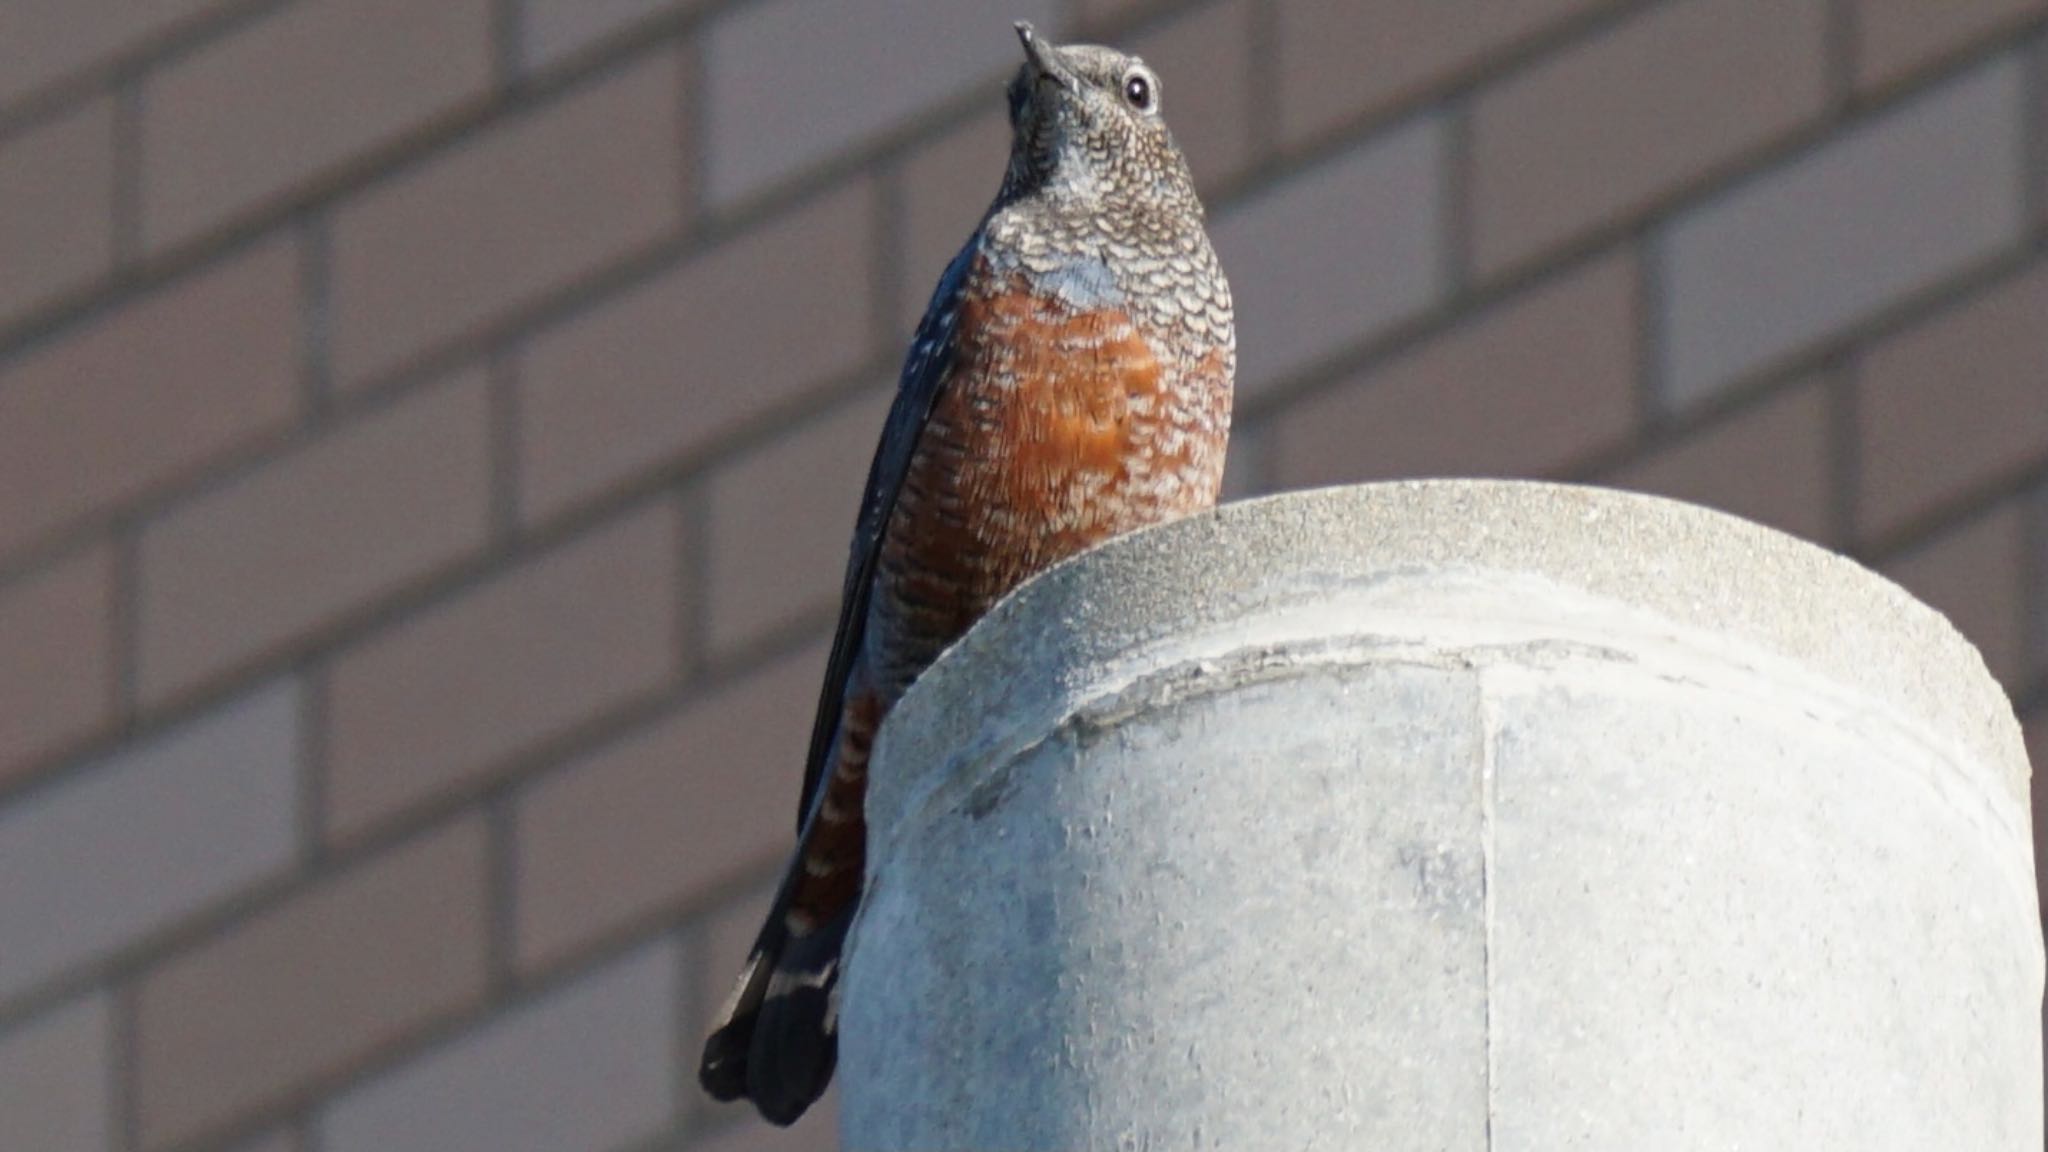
[{"x": 429, "y": 437}]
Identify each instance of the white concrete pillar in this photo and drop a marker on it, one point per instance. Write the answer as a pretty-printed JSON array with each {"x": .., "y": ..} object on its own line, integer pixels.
[{"x": 1450, "y": 815}]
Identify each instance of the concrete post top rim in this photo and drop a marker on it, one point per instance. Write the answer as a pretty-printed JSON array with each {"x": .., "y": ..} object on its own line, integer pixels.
[{"x": 1697, "y": 566}]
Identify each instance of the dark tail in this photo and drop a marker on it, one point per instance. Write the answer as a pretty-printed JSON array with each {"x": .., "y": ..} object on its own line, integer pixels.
[{"x": 776, "y": 1040}]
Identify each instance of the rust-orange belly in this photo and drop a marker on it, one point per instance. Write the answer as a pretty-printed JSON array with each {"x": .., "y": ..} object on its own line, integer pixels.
[{"x": 1058, "y": 430}]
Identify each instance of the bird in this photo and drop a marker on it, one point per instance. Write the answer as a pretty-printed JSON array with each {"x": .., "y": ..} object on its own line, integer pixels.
[{"x": 1070, "y": 381}]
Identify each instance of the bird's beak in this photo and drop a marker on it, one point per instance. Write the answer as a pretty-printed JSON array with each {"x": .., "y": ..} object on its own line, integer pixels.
[{"x": 1045, "y": 59}]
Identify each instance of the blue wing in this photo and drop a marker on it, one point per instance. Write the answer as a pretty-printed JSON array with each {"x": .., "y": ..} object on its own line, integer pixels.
[{"x": 924, "y": 371}]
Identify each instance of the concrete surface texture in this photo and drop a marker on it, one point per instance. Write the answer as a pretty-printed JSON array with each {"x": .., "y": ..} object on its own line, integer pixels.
[{"x": 1451, "y": 815}]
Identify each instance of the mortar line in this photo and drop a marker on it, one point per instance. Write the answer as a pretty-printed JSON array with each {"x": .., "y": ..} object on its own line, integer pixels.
[
  {"x": 508, "y": 34},
  {"x": 1843, "y": 41}
]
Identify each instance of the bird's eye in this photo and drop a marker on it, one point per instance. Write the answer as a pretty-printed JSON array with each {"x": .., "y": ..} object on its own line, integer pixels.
[{"x": 1138, "y": 91}]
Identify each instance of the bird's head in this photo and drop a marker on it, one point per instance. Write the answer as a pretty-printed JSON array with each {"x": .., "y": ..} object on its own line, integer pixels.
[{"x": 1086, "y": 130}]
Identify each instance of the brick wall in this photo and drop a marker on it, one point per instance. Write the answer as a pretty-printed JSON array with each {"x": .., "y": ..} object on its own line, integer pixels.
[{"x": 429, "y": 434}]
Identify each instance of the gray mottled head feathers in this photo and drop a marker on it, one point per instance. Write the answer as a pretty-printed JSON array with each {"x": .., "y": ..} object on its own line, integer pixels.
[{"x": 1087, "y": 132}]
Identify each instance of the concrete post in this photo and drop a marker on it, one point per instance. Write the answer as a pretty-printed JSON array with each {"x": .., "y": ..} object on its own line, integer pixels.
[{"x": 1457, "y": 816}]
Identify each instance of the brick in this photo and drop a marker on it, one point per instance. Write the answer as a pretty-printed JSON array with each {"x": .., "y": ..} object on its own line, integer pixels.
[
  {"x": 842, "y": 73},
  {"x": 435, "y": 702},
  {"x": 1340, "y": 62},
  {"x": 553, "y": 31},
  {"x": 42, "y": 41},
  {"x": 1973, "y": 574},
  {"x": 1953, "y": 404},
  {"x": 57, "y": 1080},
  {"x": 304, "y": 991},
  {"x": 221, "y": 132},
  {"x": 1203, "y": 58},
  {"x": 1522, "y": 390},
  {"x": 587, "y": 1068},
  {"x": 1588, "y": 138},
  {"x": 1335, "y": 255},
  {"x": 377, "y": 503},
  {"x": 1860, "y": 225},
  {"x": 1768, "y": 462},
  {"x": 667, "y": 814},
  {"x": 153, "y": 834},
  {"x": 1098, "y": 13},
  {"x": 665, "y": 371},
  {"x": 148, "y": 394},
  {"x": 946, "y": 186},
  {"x": 780, "y": 520},
  {"x": 1895, "y": 38},
  {"x": 279, "y": 1141},
  {"x": 57, "y": 665},
  {"x": 511, "y": 214},
  {"x": 56, "y": 208}
]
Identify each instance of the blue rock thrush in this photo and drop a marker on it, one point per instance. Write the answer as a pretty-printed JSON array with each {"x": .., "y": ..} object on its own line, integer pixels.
[{"x": 1070, "y": 381}]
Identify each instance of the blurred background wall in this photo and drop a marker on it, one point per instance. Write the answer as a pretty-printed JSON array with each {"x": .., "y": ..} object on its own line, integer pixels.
[{"x": 429, "y": 435}]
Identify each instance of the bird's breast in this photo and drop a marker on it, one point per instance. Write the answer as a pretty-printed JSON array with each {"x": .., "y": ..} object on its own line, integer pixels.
[{"x": 1058, "y": 427}]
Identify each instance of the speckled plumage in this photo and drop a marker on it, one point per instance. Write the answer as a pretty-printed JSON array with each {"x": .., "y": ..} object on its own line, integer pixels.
[{"x": 1070, "y": 381}]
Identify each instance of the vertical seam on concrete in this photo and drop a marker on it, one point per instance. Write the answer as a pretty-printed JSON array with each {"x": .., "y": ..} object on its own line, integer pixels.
[{"x": 1489, "y": 725}]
